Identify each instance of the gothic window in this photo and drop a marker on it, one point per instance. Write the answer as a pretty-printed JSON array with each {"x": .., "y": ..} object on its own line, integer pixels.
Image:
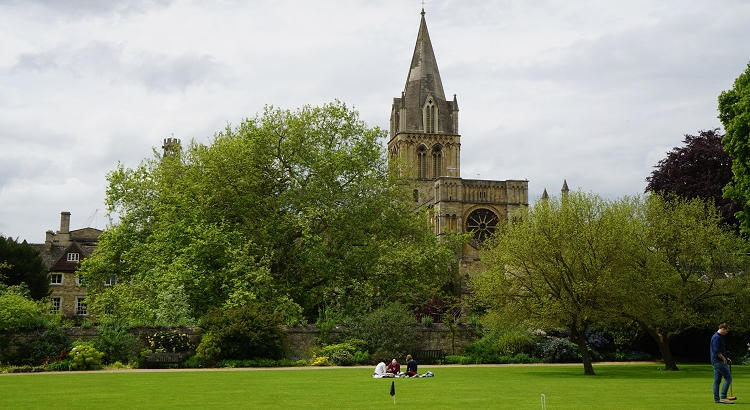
[
  {"x": 481, "y": 223},
  {"x": 430, "y": 116},
  {"x": 437, "y": 161},
  {"x": 422, "y": 162}
]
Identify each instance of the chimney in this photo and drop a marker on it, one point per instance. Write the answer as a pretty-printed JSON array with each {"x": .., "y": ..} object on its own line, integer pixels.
[{"x": 64, "y": 222}]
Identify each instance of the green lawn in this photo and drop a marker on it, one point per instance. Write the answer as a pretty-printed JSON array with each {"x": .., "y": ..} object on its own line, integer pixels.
[{"x": 614, "y": 387}]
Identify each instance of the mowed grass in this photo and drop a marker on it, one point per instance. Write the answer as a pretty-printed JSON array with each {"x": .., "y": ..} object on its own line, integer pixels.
[{"x": 518, "y": 387}]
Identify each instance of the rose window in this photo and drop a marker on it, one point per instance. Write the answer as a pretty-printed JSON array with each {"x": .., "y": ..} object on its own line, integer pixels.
[{"x": 482, "y": 223}]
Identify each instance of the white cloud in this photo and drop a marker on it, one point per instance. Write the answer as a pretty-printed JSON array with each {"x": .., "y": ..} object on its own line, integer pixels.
[{"x": 595, "y": 92}]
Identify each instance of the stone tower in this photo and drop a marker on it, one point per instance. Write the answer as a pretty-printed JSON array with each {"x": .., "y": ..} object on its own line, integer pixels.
[{"x": 424, "y": 139}]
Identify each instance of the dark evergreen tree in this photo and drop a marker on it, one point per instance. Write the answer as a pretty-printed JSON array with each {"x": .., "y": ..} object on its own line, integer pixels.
[
  {"x": 21, "y": 263},
  {"x": 698, "y": 169}
]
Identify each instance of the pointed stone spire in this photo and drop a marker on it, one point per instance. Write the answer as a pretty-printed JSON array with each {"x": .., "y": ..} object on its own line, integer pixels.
[
  {"x": 565, "y": 189},
  {"x": 422, "y": 106},
  {"x": 545, "y": 195},
  {"x": 423, "y": 72}
]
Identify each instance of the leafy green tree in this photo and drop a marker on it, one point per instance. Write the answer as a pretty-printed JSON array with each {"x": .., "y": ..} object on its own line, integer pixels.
[
  {"x": 685, "y": 269},
  {"x": 295, "y": 209},
  {"x": 734, "y": 114},
  {"x": 20, "y": 263},
  {"x": 552, "y": 266}
]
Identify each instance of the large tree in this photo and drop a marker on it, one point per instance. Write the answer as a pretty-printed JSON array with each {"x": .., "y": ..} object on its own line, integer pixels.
[
  {"x": 553, "y": 266},
  {"x": 685, "y": 269},
  {"x": 734, "y": 114},
  {"x": 700, "y": 168},
  {"x": 20, "y": 264},
  {"x": 295, "y": 209}
]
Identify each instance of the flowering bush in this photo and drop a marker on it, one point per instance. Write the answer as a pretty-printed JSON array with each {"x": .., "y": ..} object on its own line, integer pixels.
[
  {"x": 84, "y": 356},
  {"x": 319, "y": 361},
  {"x": 169, "y": 341}
]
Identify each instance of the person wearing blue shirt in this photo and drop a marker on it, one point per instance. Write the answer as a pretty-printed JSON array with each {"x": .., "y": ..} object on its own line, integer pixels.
[{"x": 719, "y": 360}]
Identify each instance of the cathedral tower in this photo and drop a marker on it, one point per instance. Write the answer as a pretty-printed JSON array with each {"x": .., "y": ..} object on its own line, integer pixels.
[
  {"x": 424, "y": 125},
  {"x": 424, "y": 139}
]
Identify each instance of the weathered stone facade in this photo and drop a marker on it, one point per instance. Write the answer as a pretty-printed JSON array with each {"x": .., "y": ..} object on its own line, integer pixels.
[
  {"x": 62, "y": 253},
  {"x": 424, "y": 138}
]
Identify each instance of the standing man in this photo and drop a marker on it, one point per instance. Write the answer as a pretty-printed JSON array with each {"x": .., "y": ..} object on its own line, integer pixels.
[{"x": 719, "y": 361}]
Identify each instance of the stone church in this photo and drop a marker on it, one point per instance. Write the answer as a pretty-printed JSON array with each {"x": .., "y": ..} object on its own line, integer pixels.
[{"x": 424, "y": 136}]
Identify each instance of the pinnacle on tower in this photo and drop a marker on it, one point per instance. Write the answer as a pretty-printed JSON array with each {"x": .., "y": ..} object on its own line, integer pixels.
[
  {"x": 565, "y": 189},
  {"x": 545, "y": 195}
]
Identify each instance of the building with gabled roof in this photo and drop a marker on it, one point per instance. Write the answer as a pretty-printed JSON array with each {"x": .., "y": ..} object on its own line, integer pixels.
[
  {"x": 62, "y": 253},
  {"x": 424, "y": 136}
]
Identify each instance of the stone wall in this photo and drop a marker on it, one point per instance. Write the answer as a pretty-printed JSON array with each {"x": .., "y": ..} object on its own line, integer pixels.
[{"x": 300, "y": 341}]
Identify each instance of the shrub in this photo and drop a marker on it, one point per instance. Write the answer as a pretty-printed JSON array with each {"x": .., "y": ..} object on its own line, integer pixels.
[
  {"x": 427, "y": 321},
  {"x": 191, "y": 362},
  {"x": 319, "y": 361},
  {"x": 115, "y": 342},
  {"x": 342, "y": 358},
  {"x": 18, "y": 312},
  {"x": 208, "y": 351},
  {"x": 243, "y": 332},
  {"x": 261, "y": 363},
  {"x": 559, "y": 350},
  {"x": 59, "y": 366},
  {"x": 169, "y": 341},
  {"x": 83, "y": 356},
  {"x": 389, "y": 331},
  {"x": 362, "y": 357},
  {"x": 516, "y": 341},
  {"x": 458, "y": 359},
  {"x": 45, "y": 345}
]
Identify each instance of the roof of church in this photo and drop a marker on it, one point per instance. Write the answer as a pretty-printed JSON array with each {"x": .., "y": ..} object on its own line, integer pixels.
[{"x": 423, "y": 72}]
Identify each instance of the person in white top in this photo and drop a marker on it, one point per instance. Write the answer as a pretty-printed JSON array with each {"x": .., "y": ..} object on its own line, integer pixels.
[{"x": 379, "y": 370}]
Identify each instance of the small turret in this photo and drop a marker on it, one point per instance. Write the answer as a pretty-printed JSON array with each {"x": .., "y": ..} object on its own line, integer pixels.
[
  {"x": 565, "y": 189},
  {"x": 171, "y": 146},
  {"x": 545, "y": 195}
]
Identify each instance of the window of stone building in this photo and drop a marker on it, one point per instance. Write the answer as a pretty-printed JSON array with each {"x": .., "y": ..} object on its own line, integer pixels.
[
  {"x": 437, "y": 161},
  {"x": 430, "y": 116},
  {"x": 422, "y": 162},
  {"x": 110, "y": 281},
  {"x": 81, "y": 306},
  {"x": 74, "y": 257},
  {"x": 56, "y": 279},
  {"x": 56, "y": 303}
]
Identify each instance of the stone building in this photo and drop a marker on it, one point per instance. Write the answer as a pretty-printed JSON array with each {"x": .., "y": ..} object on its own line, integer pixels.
[
  {"x": 62, "y": 253},
  {"x": 425, "y": 138}
]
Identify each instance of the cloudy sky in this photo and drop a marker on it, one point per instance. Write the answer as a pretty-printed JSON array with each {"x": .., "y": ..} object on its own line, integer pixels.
[{"x": 592, "y": 91}]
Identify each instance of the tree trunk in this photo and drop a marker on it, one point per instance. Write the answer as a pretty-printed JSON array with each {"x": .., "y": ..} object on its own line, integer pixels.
[
  {"x": 580, "y": 338},
  {"x": 662, "y": 340}
]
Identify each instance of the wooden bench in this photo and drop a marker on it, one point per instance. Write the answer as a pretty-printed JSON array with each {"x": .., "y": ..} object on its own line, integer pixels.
[
  {"x": 152, "y": 359},
  {"x": 429, "y": 356}
]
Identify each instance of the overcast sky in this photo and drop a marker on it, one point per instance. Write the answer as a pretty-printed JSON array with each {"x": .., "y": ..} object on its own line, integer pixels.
[{"x": 592, "y": 91}]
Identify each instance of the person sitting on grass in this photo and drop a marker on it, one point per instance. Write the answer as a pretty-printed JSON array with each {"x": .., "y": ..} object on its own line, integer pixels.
[
  {"x": 393, "y": 367},
  {"x": 379, "y": 370},
  {"x": 411, "y": 366}
]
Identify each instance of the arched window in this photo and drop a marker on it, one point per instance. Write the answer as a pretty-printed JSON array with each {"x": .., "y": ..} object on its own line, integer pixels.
[
  {"x": 430, "y": 116},
  {"x": 422, "y": 162},
  {"x": 437, "y": 161}
]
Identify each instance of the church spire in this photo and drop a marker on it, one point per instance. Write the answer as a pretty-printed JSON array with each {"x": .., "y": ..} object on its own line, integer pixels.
[
  {"x": 422, "y": 107},
  {"x": 423, "y": 71}
]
